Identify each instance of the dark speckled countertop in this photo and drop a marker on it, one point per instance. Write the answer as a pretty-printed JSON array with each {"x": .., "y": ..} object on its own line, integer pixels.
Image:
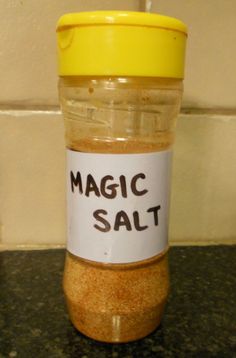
[{"x": 200, "y": 318}]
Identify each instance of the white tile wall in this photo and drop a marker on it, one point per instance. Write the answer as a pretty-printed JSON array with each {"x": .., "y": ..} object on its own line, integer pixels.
[
  {"x": 32, "y": 178},
  {"x": 28, "y": 62},
  {"x": 204, "y": 174},
  {"x": 211, "y": 50}
]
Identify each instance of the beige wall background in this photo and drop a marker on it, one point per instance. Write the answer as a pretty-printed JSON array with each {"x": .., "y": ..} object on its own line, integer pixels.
[{"x": 32, "y": 195}]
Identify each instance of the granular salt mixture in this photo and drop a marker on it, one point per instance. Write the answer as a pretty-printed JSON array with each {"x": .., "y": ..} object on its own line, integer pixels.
[{"x": 116, "y": 302}]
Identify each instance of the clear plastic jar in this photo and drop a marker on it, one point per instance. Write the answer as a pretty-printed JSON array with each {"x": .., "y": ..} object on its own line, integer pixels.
[
  {"x": 118, "y": 302},
  {"x": 120, "y": 90}
]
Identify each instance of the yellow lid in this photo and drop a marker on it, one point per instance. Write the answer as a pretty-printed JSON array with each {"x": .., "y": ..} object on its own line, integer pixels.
[{"x": 121, "y": 43}]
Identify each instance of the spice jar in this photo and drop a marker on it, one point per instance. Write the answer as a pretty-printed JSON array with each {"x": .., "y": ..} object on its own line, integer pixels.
[{"x": 120, "y": 90}]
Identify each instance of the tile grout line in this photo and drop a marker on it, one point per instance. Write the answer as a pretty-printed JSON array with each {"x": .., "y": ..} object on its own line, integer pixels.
[
  {"x": 24, "y": 110},
  {"x": 28, "y": 112},
  {"x": 209, "y": 111}
]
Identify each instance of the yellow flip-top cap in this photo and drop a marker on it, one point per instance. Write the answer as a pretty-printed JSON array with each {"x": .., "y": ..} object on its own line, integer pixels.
[{"x": 121, "y": 43}]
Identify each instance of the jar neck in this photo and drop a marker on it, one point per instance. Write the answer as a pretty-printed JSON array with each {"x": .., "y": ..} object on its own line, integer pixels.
[{"x": 110, "y": 82}]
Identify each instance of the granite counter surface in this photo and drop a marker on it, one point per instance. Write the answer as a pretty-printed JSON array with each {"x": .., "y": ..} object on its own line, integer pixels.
[{"x": 200, "y": 317}]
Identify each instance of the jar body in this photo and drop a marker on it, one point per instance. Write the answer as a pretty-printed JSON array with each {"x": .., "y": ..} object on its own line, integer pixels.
[{"x": 118, "y": 302}]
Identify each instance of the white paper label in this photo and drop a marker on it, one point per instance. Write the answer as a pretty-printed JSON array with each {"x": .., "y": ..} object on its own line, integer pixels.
[{"x": 118, "y": 205}]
